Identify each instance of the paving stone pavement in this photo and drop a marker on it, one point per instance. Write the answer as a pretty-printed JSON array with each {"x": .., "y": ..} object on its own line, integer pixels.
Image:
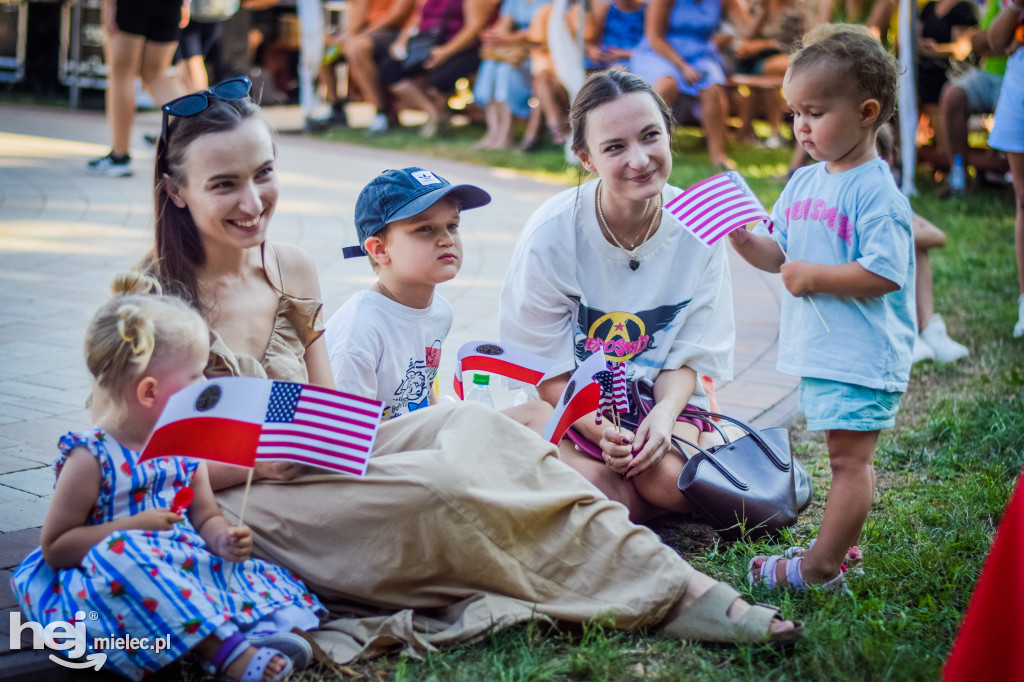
[{"x": 64, "y": 233}]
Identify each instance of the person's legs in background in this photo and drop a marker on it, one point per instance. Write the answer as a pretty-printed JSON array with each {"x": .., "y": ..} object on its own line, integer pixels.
[
  {"x": 712, "y": 122},
  {"x": 1016, "y": 160},
  {"x": 364, "y": 53},
  {"x": 123, "y": 54}
]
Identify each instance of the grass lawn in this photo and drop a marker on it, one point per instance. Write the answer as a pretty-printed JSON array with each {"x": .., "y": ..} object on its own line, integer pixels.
[{"x": 944, "y": 476}]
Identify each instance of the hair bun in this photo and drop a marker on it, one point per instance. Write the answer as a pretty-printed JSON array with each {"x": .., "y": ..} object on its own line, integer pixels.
[
  {"x": 135, "y": 282},
  {"x": 135, "y": 327}
]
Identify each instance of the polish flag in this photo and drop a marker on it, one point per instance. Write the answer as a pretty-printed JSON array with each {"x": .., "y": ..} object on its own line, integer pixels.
[
  {"x": 580, "y": 397},
  {"x": 218, "y": 420},
  {"x": 484, "y": 356}
]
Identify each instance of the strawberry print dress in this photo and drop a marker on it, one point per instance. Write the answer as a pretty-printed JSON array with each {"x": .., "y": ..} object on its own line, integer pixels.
[{"x": 152, "y": 584}]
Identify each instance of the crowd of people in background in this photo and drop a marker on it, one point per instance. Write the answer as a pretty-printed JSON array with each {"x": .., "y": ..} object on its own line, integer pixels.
[{"x": 710, "y": 60}]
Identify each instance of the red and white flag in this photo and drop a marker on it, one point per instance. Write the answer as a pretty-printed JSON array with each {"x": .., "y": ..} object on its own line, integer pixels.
[
  {"x": 240, "y": 419},
  {"x": 580, "y": 397},
  {"x": 715, "y": 207},
  {"x": 484, "y": 356}
]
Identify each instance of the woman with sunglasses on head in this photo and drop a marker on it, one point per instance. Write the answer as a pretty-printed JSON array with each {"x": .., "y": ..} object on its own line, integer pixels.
[
  {"x": 139, "y": 40},
  {"x": 462, "y": 513}
]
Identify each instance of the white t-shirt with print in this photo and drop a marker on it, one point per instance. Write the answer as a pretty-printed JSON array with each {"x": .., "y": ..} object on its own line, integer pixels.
[
  {"x": 568, "y": 293},
  {"x": 382, "y": 349}
]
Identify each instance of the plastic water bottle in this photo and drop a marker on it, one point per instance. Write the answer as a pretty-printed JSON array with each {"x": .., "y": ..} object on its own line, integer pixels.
[
  {"x": 957, "y": 180},
  {"x": 480, "y": 391}
]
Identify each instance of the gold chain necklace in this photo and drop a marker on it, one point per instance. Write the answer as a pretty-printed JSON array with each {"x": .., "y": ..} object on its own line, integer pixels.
[{"x": 634, "y": 262}]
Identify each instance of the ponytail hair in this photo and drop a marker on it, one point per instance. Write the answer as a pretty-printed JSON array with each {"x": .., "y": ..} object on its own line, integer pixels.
[{"x": 136, "y": 326}]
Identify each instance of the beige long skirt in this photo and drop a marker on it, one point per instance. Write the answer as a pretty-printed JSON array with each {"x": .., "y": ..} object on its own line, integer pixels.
[{"x": 465, "y": 521}]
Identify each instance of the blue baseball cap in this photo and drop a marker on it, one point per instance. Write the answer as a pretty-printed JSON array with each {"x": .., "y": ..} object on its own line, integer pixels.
[{"x": 399, "y": 194}]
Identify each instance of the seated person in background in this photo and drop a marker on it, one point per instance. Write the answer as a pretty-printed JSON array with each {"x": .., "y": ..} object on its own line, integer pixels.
[
  {"x": 373, "y": 25},
  {"x": 975, "y": 92},
  {"x": 552, "y": 98},
  {"x": 678, "y": 57},
  {"x": 944, "y": 34},
  {"x": 932, "y": 342},
  {"x": 503, "y": 81},
  {"x": 618, "y": 28},
  {"x": 778, "y": 27},
  {"x": 423, "y": 80},
  {"x": 385, "y": 342}
]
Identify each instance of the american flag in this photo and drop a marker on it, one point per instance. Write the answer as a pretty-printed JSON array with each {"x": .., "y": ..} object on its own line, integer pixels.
[
  {"x": 619, "y": 390},
  {"x": 607, "y": 403},
  {"x": 319, "y": 427},
  {"x": 715, "y": 207}
]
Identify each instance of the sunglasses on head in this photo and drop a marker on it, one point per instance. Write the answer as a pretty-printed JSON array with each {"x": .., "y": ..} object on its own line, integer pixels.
[{"x": 198, "y": 102}]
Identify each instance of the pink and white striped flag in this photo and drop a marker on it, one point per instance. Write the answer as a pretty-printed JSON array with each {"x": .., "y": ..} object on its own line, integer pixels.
[{"x": 715, "y": 207}]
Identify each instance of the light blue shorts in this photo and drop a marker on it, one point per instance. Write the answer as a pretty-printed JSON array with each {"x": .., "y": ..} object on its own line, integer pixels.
[{"x": 833, "y": 405}]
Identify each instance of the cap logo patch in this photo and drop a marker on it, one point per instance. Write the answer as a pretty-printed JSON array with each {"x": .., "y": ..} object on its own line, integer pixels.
[{"x": 425, "y": 177}]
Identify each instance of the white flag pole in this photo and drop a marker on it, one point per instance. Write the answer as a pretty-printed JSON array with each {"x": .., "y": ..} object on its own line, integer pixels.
[
  {"x": 907, "y": 38},
  {"x": 311, "y": 49},
  {"x": 241, "y": 516}
]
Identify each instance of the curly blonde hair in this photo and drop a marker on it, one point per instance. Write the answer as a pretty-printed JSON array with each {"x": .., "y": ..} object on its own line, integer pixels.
[
  {"x": 136, "y": 326},
  {"x": 858, "y": 58}
]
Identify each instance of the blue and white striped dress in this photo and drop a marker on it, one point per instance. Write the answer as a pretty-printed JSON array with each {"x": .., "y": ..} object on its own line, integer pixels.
[{"x": 150, "y": 584}]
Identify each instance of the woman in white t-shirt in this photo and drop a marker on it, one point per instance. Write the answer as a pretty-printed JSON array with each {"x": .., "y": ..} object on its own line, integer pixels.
[{"x": 601, "y": 268}]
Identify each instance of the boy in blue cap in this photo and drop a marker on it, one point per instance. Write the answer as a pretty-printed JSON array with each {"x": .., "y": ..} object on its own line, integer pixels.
[{"x": 385, "y": 342}]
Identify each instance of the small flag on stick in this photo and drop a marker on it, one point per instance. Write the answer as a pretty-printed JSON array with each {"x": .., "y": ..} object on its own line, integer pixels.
[
  {"x": 484, "y": 356},
  {"x": 241, "y": 419},
  {"x": 606, "y": 405},
  {"x": 580, "y": 397},
  {"x": 620, "y": 385},
  {"x": 715, "y": 207}
]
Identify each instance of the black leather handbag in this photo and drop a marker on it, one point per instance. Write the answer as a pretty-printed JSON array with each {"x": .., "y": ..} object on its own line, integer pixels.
[{"x": 746, "y": 486}]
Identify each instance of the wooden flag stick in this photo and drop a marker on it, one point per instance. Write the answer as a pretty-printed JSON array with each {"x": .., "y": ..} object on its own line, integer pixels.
[
  {"x": 241, "y": 516},
  {"x": 808, "y": 297}
]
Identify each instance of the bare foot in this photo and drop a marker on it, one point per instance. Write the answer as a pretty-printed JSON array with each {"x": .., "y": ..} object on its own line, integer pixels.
[{"x": 274, "y": 668}]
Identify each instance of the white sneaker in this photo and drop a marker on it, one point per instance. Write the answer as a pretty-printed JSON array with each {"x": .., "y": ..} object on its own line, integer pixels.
[
  {"x": 1018, "y": 329},
  {"x": 944, "y": 348},
  {"x": 379, "y": 124},
  {"x": 922, "y": 351}
]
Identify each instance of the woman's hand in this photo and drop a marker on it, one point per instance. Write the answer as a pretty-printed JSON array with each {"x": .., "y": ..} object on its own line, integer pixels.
[
  {"x": 438, "y": 55},
  {"x": 690, "y": 74},
  {"x": 234, "y": 544},
  {"x": 108, "y": 16},
  {"x": 654, "y": 438},
  {"x": 617, "y": 449},
  {"x": 154, "y": 519},
  {"x": 399, "y": 49}
]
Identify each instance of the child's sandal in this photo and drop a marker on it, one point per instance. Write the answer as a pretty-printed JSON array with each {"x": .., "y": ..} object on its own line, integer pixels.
[
  {"x": 853, "y": 555},
  {"x": 292, "y": 645},
  {"x": 232, "y": 648},
  {"x": 766, "y": 575}
]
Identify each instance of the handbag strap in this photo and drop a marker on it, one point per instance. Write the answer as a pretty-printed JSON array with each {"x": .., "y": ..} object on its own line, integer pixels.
[
  {"x": 704, "y": 455},
  {"x": 754, "y": 434}
]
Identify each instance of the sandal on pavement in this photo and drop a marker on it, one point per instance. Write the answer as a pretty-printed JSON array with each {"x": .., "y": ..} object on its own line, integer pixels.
[
  {"x": 707, "y": 620},
  {"x": 766, "y": 575},
  {"x": 292, "y": 645},
  {"x": 232, "y": 648}
]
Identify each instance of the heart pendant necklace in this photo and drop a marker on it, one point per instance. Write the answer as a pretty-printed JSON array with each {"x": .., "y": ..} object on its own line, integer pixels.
[{"x": 634, "y": 260}]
